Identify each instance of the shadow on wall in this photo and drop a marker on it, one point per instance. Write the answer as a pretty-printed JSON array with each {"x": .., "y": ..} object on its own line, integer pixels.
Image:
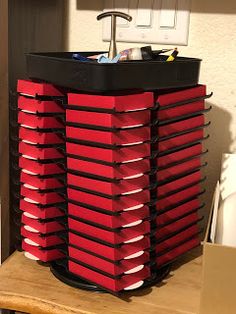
[
  {"x": 220, "y": 142},
  {"x": 206, "y": 6},
  {"x": 90, "y": 5},
  {"x": 29, "y": 30}
]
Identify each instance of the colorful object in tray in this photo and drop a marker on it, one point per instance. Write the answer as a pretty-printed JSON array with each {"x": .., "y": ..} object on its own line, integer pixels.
[
  {"x": 143, "y": 53},
  {"x": 103, "y": 59},
  {"x": 131, "y": 54},
  {"x": 79, "y": 57},
  {"x": 173, "y": 56}
]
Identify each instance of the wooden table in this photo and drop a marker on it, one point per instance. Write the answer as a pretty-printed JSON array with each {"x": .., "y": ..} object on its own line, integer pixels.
[{"x": 29, "y": 287}]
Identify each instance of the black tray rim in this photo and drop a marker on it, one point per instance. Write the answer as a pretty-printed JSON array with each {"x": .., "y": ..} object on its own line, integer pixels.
[{"x": 52, "y": 56}]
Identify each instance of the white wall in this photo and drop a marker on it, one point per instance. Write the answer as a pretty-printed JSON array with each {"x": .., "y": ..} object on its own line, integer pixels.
[{"x": 212, "y": 37}]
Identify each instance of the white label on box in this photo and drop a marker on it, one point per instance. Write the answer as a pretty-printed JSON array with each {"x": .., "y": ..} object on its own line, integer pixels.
[{"x": 135, "y": 285}]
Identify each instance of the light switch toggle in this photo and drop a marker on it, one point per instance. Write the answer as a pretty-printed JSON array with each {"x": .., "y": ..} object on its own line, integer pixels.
[
  {"x": 144, "y": 13},
  {"x": 168, "y": 14}
]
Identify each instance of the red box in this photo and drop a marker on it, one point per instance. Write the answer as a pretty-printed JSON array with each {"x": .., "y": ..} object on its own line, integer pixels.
[
  {"x": 119, "y": 171},
  {"x": 41, "y": 197},
  {"x": 182, "y": 182},
  {"x": 35, "y": 89},
  {"x": 40, "y": 153},
  {"x": 122, "y": 154},
  {"x": 35, "y": 137},
  {"x": 111, "y": 188},
  {"x": 124, "y": 251},
  {"x": 178, "y": 251},
  {"x": 117, "y": 103},
  {"x": 175, "y": 198},
  {"x": 176, "y": 226},
  {"x": 178, "y": 169},
  {"x": 177, "y": 239},
  {"x": 178, "y": 140},
  {"x": 45, "y": 255},
  {"x": 179, "y": 126},
  {"x": 122, "y": 137},
  {"x": 165, "y": 113},
  {"x": 32, "y": 105},
  {"x": 128, "y": 266},
  {"x": 177, "y": 156},
  {"x": 41, "y": 239},
  {"x": 177, "y": 212},
  {"x": 116, "y": 285},
  {"x": 41, "y": 183},
  {"x": 41, "y": 226},
  {"x": 34, "y": 121},
  {"x": 178, "y": 111},
  {"x": 108, "y": 120},
  {"x": 38, "y": 168},
  {"x": 40, "y": 212},
  {"x": 122, "y": 203},
  {"x": 110, "y": 221},
  {"x": 110, "y": 236}
]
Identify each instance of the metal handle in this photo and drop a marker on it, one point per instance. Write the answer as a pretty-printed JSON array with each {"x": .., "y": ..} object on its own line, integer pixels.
[{"x": 113, "y": 14}]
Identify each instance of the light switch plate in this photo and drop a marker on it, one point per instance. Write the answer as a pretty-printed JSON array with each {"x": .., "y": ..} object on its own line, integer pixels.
[{"x": 154, "y": 21}]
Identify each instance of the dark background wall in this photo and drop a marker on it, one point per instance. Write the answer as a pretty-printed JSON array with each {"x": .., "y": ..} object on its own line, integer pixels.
[{"x": 34, "y": 25}]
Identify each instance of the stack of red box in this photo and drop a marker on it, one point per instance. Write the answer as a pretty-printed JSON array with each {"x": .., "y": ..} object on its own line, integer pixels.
[
  {"x": 108, "y": 159},
  {"x": 133, "y": 180},
  {"x": 133, "y": 183},
  {"x": 42, "y": 176},
  {"x": 180, "y": 133}
]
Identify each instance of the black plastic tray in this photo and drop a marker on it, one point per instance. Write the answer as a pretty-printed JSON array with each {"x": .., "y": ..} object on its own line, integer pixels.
[{"x": 60, "y": 69}]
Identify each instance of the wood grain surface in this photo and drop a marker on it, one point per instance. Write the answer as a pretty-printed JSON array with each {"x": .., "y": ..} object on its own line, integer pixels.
[{"x": 29, "y": 287}]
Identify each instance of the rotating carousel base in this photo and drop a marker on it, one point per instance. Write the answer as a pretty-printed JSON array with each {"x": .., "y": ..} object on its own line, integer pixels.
[{"x": 61, "y": 273}]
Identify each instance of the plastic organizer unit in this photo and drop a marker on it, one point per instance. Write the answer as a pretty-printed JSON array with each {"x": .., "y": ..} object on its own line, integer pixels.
[{"x": 110, "y": 181}]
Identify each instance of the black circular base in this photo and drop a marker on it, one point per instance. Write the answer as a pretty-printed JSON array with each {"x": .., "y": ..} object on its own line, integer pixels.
[{"x": 61, "y": 273}]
